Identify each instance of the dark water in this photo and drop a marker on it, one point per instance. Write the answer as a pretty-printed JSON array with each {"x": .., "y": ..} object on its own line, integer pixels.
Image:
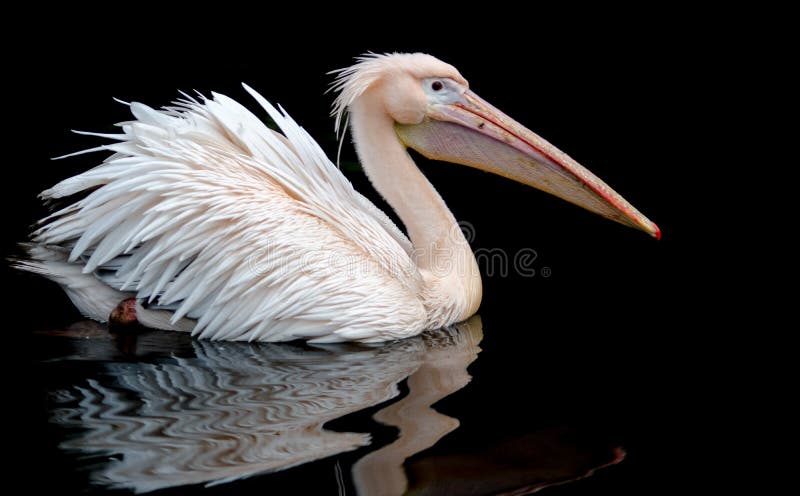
[
  {"x": 159, "y": 411},
  {"x": 580, "y": 379}
]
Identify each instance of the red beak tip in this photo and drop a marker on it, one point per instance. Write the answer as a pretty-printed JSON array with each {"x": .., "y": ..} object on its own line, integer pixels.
[{"x": 658, "y": 233}]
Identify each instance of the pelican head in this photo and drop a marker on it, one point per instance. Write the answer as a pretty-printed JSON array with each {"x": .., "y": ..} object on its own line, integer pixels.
[{"x": 436, "y": 114}]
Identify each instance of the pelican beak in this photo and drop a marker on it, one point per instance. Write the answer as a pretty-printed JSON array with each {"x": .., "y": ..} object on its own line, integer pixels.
[{"x": 472, "y": 132}]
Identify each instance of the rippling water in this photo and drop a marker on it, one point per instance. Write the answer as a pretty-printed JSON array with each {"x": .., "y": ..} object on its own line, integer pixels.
[{"x": 161, "y": 410}]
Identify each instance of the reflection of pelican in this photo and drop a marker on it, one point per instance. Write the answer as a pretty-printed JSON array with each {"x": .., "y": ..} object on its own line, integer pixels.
[
  {"x": 443, "y": 372},
  {"x": 237, "y": 409}
]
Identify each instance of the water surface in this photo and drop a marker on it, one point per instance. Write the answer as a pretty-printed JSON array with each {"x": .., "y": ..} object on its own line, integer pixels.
[{"x": 159, "y": 411}]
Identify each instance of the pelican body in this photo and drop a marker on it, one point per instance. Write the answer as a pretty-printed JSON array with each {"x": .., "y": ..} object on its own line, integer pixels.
[{"x": 208, "y": 221}]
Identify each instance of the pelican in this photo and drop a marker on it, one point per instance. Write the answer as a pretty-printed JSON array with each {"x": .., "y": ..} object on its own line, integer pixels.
[{"x": 206, "y": 220}]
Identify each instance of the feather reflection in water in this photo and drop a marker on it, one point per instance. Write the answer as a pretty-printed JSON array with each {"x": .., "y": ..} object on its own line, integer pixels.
[{"x": 238, "y": 409}]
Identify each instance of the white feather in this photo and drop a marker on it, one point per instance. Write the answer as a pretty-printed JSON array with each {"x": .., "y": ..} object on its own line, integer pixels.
[{"x": 254, "y": 234}]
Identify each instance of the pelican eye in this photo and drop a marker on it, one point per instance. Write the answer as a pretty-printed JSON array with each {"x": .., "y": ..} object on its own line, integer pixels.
[{"x": 437, "y": 86}]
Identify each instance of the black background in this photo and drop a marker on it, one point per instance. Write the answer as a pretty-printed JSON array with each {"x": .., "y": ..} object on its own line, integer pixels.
[{"x": 624, "y": 328}]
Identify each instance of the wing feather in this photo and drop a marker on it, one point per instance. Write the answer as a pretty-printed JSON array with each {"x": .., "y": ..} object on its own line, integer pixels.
[{"x": 204, "y": 211}]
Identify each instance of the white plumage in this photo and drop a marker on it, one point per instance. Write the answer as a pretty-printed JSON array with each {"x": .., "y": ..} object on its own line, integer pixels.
[
  {"x": 206, "y": 211},
  {"x": 220, "y": 226}
]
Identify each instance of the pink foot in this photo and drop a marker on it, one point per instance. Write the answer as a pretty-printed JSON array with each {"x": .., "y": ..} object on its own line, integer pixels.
[{"x": 123, "y": 316}]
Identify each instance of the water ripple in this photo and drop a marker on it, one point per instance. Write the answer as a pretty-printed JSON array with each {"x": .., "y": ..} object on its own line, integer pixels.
[{"x": 234, "y": 410}]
